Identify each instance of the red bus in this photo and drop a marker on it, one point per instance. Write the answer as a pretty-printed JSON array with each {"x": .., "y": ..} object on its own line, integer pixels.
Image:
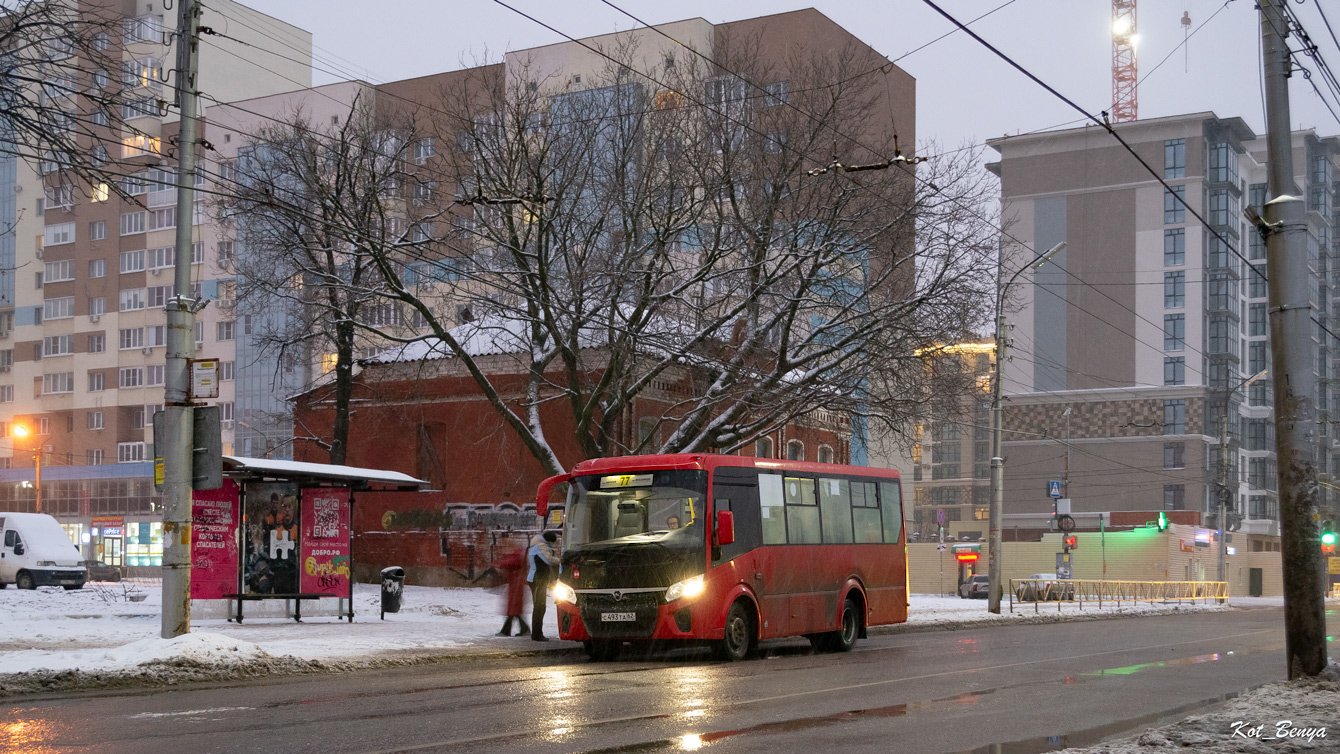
[{"x": 727, "y": 550}]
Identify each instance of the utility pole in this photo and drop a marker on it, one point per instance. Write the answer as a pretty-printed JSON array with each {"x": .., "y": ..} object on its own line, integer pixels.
[
  {"x": 178, "y": 416},
  {"x": 1295, "y": 386},
  {"x": 993, "y": 555}
]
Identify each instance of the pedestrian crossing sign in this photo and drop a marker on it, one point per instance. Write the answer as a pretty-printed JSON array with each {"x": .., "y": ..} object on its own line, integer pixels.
[{"x": 1054, "y": 488}]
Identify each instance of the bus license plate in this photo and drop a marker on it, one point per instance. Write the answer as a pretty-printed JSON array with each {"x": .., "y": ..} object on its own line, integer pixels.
[{"x": 618, "y": 617}]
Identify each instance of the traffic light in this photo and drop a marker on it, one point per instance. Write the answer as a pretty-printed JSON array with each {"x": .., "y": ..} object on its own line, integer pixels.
[
  {"x": 1071, "y": 542},
  {"x": 1328, "y": 537},
  {"x": 1163, "y": 521}
]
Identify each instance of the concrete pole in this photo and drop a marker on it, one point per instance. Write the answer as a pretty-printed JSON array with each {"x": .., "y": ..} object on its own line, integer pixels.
[
  {"x": 1295, "y": 385},
  {"x": 997, "y": 475},
  {"x": 177, "y": 434}
]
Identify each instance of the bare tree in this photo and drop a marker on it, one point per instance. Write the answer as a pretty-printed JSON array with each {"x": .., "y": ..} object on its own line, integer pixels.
[
  {"x": 65, "y": 94},
  {"x": 316, "y": 207},
  {"x": 616, "y": 238}
]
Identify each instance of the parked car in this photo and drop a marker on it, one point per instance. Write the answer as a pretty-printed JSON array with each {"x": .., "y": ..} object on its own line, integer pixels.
[
  {"x": 100, "y": 571},
  {"x": 975, "y": 587},
  {"x": 1046, "y": 588}
]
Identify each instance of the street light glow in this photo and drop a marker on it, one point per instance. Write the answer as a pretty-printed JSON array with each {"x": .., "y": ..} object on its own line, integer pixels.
[{"x": 20, "y": 430}]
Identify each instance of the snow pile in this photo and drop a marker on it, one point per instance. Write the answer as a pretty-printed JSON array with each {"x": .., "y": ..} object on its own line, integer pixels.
[{"x": 1282, "y": 717}]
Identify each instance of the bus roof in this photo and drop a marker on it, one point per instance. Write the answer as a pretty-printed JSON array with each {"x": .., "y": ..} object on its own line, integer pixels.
[{"x": 711, "y": 461}]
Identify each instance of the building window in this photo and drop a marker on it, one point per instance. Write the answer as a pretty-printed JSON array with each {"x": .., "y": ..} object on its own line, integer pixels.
[
  {"x": 58, "y": 272},
  {"x": 131, "y": 377},
  {"x": 1174, "y": 158},
  {"x": 6, "y": 393},
  {"x": 97, "y": 268},
  {"x": 1223, "y": 167},
  {"x": 1174, "y": 370},
  {"x": 97, "y": 343},
  {"x": 59, "y": 382},
  {"x": 96, "y": 382},
  {"x": 1174, "y": 205},
  {"x": 57, "y": 345},
  {"x": 131, "y": 337},
  {"x": 161, "y": 219},
  {"x": 763, "y": 447},
  {"x": 1174, "y": 417},
  {"x": 1174, "y": 247},
  {"x": 61, "y": 233},
  {"x": 129, "y": 452},
  {"x": 1220, "y": 210},
  {"x": 132, "y": 223},
  {"x": 225, "y": 330},
  {"x": 825, "y": 454},
  {"x": 93, "y": 457},
  {"x": 132, "y": 261},
  {"x": 94, "y": 419},
  {"x": 58, "y": 308},
  {"x": 1257, "y": 356},
  {"x": 1256, "y": 319},
  {"x": 777, "y": 93},
  {"x": 153, "y": 375},
  {"x": 132, "y": 299},
  {"x": 97, "y": 231},
  {"x": 1174, "y": 332},
  {"x": 795, "y": 450},
  {"x": 1174, "y": 290},
  {"x": 1174, "y": 455},
  {"x": 1174, "y": 497},
  {"x": 424, "y": 148}
]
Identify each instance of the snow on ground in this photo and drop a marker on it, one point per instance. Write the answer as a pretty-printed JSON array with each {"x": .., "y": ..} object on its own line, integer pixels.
[{"x": 1281, "y": 717}]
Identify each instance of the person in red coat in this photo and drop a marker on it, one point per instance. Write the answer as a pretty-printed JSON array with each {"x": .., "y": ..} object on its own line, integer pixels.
[{"x": 514, "y": 565}]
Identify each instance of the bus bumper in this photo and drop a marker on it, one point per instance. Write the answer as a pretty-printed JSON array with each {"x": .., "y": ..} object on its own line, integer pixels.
[{"x": 681, "y": 619}]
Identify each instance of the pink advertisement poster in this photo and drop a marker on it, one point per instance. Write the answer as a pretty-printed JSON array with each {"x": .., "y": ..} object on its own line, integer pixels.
[
  {"x": 325, "y": 540},
  {"x": 214, "y": 555}
]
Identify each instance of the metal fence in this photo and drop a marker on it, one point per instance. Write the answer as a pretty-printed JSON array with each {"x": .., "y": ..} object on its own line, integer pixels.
[{"x": 1080, "y": 591}]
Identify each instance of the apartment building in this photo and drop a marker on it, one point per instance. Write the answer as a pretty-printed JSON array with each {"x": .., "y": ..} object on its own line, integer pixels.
[
  {"x": 1134, "y": 341},
  {"x": 82, "y": 326}
]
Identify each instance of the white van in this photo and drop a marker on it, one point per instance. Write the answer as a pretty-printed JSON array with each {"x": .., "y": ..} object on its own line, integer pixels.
[{"x": 36, "y": 551}]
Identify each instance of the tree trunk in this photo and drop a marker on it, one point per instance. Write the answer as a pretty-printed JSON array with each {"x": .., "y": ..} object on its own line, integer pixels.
[{"x": 344, "y": 388}]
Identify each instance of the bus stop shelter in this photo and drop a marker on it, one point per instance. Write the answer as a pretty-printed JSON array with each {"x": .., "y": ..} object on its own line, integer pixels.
[{"x": 281, "y": 530}]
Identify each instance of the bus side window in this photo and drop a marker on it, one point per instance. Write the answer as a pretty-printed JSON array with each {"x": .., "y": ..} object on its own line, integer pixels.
[
  {"x": 891, "y": 498},
  {"x": 865, "y": 513},
  {"x": 802, "y": 512},
  {"x": 835, "y": 506},
  {"x": 772, "y": 509}
]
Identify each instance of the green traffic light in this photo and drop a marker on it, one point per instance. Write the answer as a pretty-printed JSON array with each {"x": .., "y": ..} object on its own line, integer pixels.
[
  {"x": 1163, "y": 521},
  {"x": 1328, "y": 537}
]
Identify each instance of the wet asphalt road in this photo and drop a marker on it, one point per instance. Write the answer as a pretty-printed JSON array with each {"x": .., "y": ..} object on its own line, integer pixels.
[{"x": 942, "y": 691}]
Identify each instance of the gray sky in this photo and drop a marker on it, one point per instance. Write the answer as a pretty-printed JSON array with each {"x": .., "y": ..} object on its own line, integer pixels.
[{"x": 964, "y": 93}]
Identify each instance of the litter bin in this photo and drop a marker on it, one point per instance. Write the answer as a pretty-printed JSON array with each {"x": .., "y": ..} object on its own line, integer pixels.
[{"x": 393, "y": 585}]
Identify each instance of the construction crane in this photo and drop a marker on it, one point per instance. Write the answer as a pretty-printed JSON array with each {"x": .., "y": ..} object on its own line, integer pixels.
[{"x": 1124, "y": 76}]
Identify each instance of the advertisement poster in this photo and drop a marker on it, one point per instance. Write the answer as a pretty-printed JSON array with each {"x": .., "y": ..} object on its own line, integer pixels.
[
  {"x": 213, "y": 542},
  {"x": 272, "y": 521},
  {"x": 325, "y": 540}
]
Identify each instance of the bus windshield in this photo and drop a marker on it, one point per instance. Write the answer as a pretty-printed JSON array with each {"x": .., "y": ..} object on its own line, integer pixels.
[{"x": 662, "y": 507}]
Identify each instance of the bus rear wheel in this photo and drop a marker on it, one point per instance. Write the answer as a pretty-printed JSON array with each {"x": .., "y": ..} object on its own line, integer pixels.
[
  {"x": 843, "y": 639},
  {"x": 739, "y": 638}
]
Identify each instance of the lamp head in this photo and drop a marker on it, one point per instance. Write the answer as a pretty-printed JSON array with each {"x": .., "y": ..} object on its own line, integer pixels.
[{"x": 20, "y": 430}]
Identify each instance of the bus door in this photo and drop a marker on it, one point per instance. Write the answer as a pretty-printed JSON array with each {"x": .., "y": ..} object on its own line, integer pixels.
[{"x": 736, "y": 490}]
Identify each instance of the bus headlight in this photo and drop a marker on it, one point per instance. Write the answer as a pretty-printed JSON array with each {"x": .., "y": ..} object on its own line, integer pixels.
[
  {"x": 686, "y": 589},
  {"x": 563, "y": 593}
]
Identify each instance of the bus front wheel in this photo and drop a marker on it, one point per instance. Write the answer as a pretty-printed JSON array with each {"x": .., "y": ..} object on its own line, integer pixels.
[
  {"x": 739, "y": 638},
  {"x": 603, "y": 651}
]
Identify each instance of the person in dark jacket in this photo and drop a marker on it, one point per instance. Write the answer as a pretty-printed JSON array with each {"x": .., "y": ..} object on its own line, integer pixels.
[
  {"x": 514, "y": 565},
  {"x": 542, "y": 559}
]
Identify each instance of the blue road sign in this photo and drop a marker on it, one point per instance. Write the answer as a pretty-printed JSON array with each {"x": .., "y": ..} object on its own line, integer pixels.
[
  {"x": 1054, "y": 488},
  {"x": 940, "y": 517}
]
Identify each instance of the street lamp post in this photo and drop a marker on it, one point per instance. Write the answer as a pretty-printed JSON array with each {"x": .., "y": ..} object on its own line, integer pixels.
[
  {"x": 1225, "y": 492},
  {"x": 22, "y": 431},
  {"x": 997, "y": 459}
]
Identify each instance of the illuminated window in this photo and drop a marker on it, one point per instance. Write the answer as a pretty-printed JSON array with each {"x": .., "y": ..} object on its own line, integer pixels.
[{"x": 141, "y": 144}]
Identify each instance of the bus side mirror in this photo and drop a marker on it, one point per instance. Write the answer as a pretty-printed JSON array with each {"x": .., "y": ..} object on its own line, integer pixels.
[
  {"x": 725, "y": 528},
  {"x": 542, "y": 494}
]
